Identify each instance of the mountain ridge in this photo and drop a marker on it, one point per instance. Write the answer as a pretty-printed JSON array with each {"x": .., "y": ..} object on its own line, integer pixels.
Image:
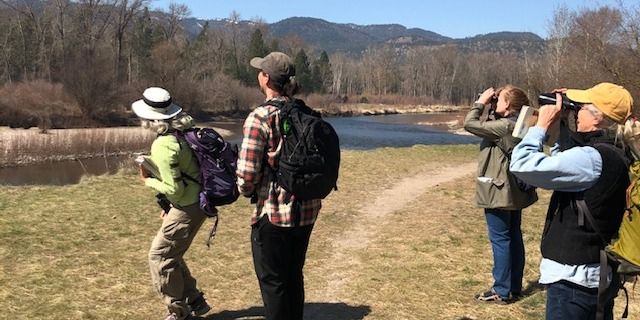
[{"x": 354, "y": 38}]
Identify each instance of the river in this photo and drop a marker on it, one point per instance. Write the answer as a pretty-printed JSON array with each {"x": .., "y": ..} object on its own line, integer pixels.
[{"x": 359, "y": 133}]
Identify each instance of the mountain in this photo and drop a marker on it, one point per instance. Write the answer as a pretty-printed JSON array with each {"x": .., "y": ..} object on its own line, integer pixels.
[
  {"x": 503, "y": 42},
  {"x": 353, "y": 39},
  {"x": 322, "y": 34}
]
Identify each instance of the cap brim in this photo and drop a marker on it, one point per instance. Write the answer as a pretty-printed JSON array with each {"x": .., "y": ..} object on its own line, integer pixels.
[
  {"x": 256, "y": 62},
  {"x": 144, "y": 111},
  {"x": 580, "y": 96}
]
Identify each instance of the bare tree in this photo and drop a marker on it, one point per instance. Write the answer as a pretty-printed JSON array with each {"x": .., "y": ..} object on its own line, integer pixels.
[
  {"x": 61, "y": 8},
  {"x": 630, "y": 40},
  {"x": 126, "y": 10},
  {"x": 557, "y": 45},
  {"x": 30, "y": 22},
  {"x": 382, "y": 68},
  {"x": 176, "y": 13}
]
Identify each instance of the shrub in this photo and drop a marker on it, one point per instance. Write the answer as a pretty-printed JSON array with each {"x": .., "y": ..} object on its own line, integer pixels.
[{"x": 36, "y": 103}]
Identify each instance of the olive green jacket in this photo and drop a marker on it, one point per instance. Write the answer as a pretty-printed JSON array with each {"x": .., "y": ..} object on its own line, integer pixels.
[{"x": 496, "y": 187}]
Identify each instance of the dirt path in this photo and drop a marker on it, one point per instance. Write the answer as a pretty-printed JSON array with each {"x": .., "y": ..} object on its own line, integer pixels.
[{"x": 360, "y": 235}]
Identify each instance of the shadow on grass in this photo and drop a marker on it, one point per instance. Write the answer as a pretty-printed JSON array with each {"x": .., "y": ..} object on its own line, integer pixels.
[
  {"x": 312, "y": 311},
  {"x": 531, "y": 288}
]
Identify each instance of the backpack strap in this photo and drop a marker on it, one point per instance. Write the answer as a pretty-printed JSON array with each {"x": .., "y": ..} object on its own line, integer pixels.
[
  {"x": 180, "y": 137},
  {"x": 606, "y": 290},
  {"x": 213, "y": 231}
]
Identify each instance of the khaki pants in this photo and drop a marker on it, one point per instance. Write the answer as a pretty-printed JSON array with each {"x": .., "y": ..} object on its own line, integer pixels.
[{"x": 169, "y": 273}]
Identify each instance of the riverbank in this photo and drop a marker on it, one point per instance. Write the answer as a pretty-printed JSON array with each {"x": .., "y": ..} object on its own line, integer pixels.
[
  {"x": 28, "y": 146},
  {"x": 20, "y": 147},
  {"x": 383, "y": 251},
  {"x": 368, "y": 109}
]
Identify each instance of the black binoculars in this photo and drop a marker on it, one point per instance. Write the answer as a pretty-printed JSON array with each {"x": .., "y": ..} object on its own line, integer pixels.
[
  {"x": 163, "y": 202},
  {"x": 550, "y": 98}
]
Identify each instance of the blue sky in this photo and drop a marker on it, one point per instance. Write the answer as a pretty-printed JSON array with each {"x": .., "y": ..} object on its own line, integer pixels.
[{"x": 452, "y": 18}]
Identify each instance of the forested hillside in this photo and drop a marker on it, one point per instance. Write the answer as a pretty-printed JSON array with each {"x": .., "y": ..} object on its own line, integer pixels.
[{"x": 81, "y": 63}]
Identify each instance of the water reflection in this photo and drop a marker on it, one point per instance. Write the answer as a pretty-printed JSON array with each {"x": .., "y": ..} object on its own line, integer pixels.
[
  {"x": 359, "y": 133},
  {"x": 62, "y": 172}
]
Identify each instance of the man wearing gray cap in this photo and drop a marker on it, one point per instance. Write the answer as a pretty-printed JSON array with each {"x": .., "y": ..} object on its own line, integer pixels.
[{"x": 281, "y": 225}]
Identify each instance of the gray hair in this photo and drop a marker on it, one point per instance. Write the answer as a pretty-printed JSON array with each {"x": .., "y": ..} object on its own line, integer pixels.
[{"x": 180, "y": 122}]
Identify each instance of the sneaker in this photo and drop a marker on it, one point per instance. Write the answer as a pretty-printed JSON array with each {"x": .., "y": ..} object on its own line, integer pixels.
[
  {"x": 492, "y": 296},
  {"x": 199, "y": 306},
  {"x": 171, "y": 316}
]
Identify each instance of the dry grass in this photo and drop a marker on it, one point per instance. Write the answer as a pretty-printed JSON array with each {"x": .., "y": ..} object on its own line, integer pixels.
[
  {"x": 27, "y": 146},
  {"x": 79, "y": 252}
]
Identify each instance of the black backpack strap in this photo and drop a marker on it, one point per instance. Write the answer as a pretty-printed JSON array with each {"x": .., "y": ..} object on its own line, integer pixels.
[
  {"x": 625, "y": 313},
  {"x": 274, "y": 103},
  {"x": 213, "y": 231},
  {"x": 606, "y": 290}
]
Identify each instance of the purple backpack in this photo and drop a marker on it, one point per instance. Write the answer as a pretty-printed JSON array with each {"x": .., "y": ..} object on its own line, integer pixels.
[{"x": 218, "y": 163}]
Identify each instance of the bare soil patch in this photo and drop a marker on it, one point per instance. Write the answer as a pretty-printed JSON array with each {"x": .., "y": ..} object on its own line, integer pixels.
[{"x": 390, "y": 200}]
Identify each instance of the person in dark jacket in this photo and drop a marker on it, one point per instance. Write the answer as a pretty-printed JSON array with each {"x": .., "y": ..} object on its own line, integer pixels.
[
  {"x": 497, "y": 191},
  {"x": 588, "y": 175}
]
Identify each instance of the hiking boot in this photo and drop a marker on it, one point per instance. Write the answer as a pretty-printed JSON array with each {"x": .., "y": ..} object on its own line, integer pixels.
[
  {"x": 492, "y": 296},
  {"x": 199, "y": 306}
]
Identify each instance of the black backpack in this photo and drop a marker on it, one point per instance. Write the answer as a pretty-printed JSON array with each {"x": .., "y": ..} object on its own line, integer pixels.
[{"x": 310, "y": 157}]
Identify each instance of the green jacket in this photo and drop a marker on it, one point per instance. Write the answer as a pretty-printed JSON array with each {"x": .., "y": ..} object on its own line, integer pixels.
[
  {"x": 496, "y": 187},
  {"x": 172, "y": 159}
]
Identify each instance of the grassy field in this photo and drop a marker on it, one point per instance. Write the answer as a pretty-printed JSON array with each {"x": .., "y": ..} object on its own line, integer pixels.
[{"x": 80, "y": 252}]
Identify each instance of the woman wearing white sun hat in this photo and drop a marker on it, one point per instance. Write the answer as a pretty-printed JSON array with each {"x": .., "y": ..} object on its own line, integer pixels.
[{"x": 169, "y": 272}]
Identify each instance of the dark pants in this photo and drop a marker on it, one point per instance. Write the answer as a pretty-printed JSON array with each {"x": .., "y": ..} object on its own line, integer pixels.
[
  {"x": 278, "y": 257},
  {"x": 567, "y": 301}
]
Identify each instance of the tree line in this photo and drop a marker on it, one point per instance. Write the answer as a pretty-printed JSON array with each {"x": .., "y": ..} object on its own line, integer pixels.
[{"x": 81, "y": 63}]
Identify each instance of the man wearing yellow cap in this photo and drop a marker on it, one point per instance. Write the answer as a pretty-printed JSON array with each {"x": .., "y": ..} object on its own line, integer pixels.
[{"x": 588, "y": 174}]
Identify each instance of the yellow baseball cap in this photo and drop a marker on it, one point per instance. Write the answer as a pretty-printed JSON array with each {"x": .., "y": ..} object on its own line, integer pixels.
[{"x": 613, "y": 100}]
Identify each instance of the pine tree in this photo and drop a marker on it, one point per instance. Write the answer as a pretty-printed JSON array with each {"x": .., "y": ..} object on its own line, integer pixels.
[
  {"x": 303, "y": 72},
  {"x": 257, "y": 48},
  {"x": 322, "y": 76},
  {"x": 274, "y": 46}
]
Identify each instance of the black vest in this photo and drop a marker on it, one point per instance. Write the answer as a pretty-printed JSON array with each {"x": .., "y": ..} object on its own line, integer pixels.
[{"x": 564, "y": 240}]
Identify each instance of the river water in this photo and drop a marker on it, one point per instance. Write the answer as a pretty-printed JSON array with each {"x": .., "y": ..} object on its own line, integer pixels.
[{"x": 360, "y": 133}]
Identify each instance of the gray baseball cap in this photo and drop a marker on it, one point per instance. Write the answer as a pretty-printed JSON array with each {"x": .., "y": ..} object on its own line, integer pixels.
[{"x": 277, "y": 65}]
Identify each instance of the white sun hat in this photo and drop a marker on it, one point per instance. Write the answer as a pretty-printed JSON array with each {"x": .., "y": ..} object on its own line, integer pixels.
[{"x": 155, "y": 104}]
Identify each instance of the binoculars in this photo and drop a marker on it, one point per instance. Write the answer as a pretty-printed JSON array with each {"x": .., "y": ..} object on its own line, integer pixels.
[
  {"x": 550, "y": 98},
  {"x": 163, "y": 202}
]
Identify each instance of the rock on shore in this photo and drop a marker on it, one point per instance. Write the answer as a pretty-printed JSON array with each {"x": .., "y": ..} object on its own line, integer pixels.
[{"x": 381, "y": 109}]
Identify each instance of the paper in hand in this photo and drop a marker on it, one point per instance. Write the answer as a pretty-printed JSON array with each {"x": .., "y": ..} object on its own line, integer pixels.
[{"x": 525, "y": 120}]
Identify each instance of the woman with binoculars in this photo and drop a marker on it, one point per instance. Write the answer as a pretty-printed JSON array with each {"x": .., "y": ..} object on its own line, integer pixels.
[{"x": 498, "y": 191}]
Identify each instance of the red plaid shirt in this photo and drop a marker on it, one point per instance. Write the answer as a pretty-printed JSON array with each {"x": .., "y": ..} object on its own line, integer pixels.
[{"x": 258, "y": 155}]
